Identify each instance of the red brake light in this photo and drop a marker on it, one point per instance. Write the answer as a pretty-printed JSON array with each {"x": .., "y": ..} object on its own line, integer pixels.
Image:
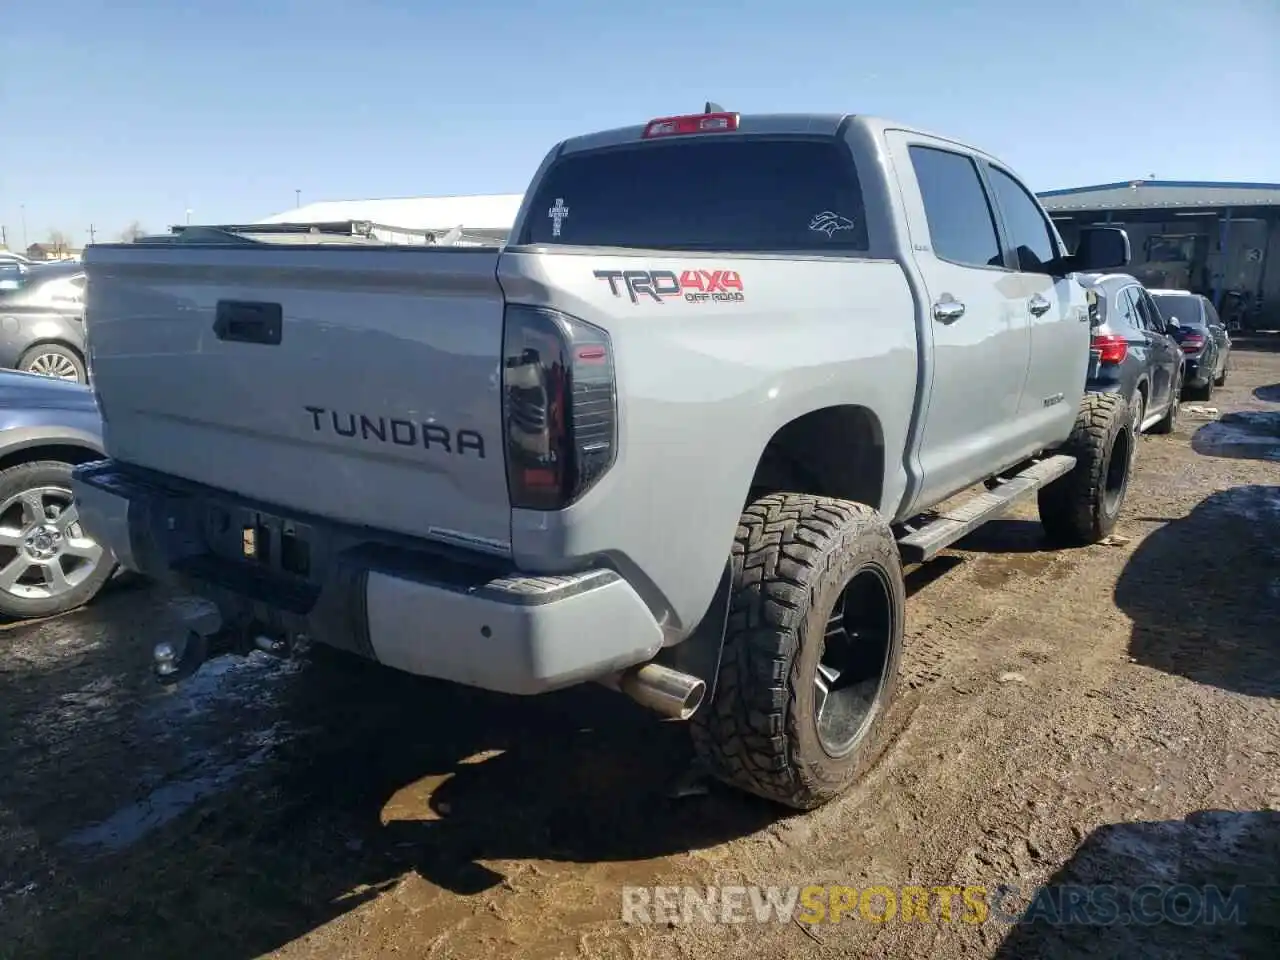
[
  {"x": 1192, "y": 343},
  {"x": 694, "y": 123},
  {"x": 1110, "y": 347}
]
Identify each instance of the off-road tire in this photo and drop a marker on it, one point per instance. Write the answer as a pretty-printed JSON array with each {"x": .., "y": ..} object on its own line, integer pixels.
[
  {"x": 792, "y": 556},
  {"x": 1169, "y": 422},
  {"x": 48, "y": 473},
  {"x": 1075, "y": 509}
]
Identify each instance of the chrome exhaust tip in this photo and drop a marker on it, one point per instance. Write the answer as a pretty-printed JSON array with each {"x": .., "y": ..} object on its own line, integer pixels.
[{"x": 669, "y": 692}]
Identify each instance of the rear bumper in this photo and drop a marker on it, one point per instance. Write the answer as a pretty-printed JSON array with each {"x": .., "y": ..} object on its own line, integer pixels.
[{"x": 433, "y": 612}]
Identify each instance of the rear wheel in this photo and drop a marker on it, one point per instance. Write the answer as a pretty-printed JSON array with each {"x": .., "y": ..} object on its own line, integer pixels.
[
  {"x": 54, "y": 360},
  {"x": 1169, "y": 422},
  {"x": 1222, "y": 378},
  {"x": 811, "y": 650},
  {"x": 1082, "y": 507},
  {"x": 48, "y": 563}
]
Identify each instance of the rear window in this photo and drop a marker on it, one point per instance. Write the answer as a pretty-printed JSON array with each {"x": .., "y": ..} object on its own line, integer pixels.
[
  {"x": 740, "y": 194},
  {"x": 1185, "y": 309}
]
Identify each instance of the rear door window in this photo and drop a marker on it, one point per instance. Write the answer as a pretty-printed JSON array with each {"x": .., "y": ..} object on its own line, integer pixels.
[
  {"x": 961, "y": 227},
  {"x": 1126, "y": 312},
  {"x": 743, "y": 194}
]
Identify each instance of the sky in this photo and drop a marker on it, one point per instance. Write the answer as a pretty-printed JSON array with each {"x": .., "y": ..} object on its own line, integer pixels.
[{"x": 114, "y": 111}]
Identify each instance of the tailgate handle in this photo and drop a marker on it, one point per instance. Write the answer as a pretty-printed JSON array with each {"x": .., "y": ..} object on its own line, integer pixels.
[{"x": 244, "y": 321}]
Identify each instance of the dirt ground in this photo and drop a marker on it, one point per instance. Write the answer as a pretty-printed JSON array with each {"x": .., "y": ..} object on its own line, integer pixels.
[{"x": 1110, "y": 714}]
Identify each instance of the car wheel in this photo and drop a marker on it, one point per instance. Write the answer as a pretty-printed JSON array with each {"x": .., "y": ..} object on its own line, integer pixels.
[
  {"x": 48, "y": 563},
  {"x": 1083, "y": 506},
  {"x": 811, "y": 651},
  {"x": 1169, "y": 422},
  {"x": 54, "y": 360},
  {"x": 1222, "y": 378}
]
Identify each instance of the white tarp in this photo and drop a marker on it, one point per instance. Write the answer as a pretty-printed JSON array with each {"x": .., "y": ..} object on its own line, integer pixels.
[{"x": 495, "y": 212}]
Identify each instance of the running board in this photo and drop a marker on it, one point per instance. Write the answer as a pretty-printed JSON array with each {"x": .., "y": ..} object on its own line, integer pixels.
[{"x": 947, "y": 527}]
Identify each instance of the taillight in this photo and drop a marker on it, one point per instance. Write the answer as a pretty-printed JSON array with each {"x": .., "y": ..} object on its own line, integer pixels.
[
  {"x": 1192, "y": 343},
  {"x": 1110, "y": 347},
  {"x": 559, "y": 406},
  {"x": 694, "y": 123}
]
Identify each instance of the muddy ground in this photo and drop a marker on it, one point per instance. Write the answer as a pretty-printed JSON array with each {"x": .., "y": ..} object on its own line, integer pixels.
[{"x": 1109, "y": 714}]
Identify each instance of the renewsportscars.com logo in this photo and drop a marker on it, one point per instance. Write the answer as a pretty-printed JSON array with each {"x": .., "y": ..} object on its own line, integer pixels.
[{"x": 692, "y": 286}]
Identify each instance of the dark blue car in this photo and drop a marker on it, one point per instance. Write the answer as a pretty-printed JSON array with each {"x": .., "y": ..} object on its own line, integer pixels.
[{"x": 1132, "y": 351}]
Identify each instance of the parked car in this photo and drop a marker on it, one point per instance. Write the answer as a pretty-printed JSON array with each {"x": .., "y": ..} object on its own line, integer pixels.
[
  {"x": 1132, "y": 352},
  {"x": 48, "y": 562},
  {"x": 679, "y": 436},
  {"x": 1206, "y": 345},
  {"x": 42, "y": 319}
]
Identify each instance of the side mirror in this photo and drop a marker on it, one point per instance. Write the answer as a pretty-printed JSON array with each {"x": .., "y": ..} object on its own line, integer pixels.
[
  {"x": 1101, "y": 248},
  {"x": 1172, "y": 323}
]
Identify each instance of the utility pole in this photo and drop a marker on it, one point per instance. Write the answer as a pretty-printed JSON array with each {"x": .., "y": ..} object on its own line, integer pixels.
[
  {"x": 91, "y": 233},
  {"x": 297, "y": 198}
]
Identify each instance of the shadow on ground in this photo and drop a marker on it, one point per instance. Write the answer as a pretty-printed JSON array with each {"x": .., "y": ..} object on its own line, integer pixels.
[
  {"x": 1245, "y": 434},
  {"x": 1268, "y": 394},
  {"x": 1197, "y": 610},
  {"x": 1203, "y": 888},
  {"x": 298, "y": 806}
]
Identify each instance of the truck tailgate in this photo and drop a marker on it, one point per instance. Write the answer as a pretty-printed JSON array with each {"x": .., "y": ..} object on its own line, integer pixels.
[{"x": 355, "y": 384}]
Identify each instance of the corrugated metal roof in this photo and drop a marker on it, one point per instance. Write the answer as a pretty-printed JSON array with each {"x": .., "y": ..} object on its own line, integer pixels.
[
  {"x": 490, "y": 212},
  {"x": 1161, "y": 194}
]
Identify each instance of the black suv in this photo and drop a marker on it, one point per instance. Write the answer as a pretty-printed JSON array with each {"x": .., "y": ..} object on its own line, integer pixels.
[
  {"x": 1194, "y": 323},
  {"x": 42, "y": 319},
  {"x": 1132, "y": 351}
]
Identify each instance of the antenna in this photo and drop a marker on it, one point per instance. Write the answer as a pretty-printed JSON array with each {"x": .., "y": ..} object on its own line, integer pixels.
[{"x": 712, "y": 107}]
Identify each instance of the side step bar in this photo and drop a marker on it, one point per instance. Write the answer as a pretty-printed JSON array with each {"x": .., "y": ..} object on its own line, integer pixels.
[{"x": 926, "y": 542}]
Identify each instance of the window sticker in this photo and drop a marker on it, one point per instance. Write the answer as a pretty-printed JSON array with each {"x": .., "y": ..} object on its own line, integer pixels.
[
  {"x": 829, "y": 222},
  {"x": 558, "y": 214}
]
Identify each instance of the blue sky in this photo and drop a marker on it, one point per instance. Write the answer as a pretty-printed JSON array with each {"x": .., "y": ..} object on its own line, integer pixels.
[{"x": 114, "y": 111}]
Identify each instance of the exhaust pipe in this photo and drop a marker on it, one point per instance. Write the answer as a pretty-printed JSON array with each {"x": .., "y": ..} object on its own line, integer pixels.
[{"x": 669, "y": 692}]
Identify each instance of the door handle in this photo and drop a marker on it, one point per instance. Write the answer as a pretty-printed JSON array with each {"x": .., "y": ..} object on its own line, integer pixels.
[
  {"x": 247, "y": 322},
  {"x": 948, "y": 311},
  {"x": 1038, "y": 306}
]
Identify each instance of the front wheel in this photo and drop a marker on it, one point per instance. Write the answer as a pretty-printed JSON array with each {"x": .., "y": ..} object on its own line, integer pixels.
[
  {"x": 811, "y": 651},
  {"x": 48, "y": 563},
  {"x": 1083, "y": 506}
]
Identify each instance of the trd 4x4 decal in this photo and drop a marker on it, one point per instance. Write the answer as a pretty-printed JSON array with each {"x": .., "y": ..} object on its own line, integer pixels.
[{"x": 693, "y": 286}]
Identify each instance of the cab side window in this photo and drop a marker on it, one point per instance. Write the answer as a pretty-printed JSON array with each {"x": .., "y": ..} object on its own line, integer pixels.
[
  {"x": 1029, "y": 232},
  {"x": 961, "y": 226}
]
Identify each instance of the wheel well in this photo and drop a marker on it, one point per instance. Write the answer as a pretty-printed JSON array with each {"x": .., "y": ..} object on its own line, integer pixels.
[
  {"x": 831, "y": 452},
  {"x": 66, "y": 452},
  {"x": 54, "y": 342}
]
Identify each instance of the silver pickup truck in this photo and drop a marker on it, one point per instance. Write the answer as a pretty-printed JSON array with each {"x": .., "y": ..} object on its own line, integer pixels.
[{"x": 680, "y": 435}]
